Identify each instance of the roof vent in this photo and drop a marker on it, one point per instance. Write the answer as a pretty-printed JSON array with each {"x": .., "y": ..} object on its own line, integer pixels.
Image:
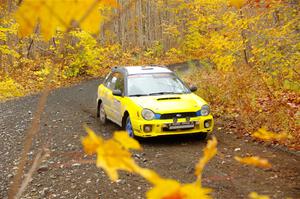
[
  {"x": 167, "y": 98},
  {"x": 147, "y": 68}
]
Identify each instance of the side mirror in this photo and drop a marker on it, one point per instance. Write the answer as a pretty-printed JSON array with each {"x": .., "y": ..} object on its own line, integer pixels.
[
  {"x": 117, "y": 92},
  {"x": 193, "y": 88}
]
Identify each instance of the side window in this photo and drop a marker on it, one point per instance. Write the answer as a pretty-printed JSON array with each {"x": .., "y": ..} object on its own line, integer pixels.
[
  {"x": 107, "y": 79},
  {"x": 115, "y": 82},
  {"x": 120, "y": 83}
]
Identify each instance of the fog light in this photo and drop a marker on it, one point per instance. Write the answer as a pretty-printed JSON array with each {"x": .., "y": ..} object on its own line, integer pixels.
[
  {"x": 207, "y": 123},
  {"x": 147, "y": 128}
]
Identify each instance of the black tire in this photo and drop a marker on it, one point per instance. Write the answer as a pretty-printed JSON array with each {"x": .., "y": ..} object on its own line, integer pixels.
[{"x": 102, "y": 114}]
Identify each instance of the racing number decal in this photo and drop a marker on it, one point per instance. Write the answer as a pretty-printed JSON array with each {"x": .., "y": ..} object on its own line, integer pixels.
[{"x": 117, "y": 104}]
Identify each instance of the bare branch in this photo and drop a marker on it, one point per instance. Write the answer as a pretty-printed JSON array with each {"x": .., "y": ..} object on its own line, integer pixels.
[
  {"x": 34, "y": 129},
  {"x": 37, "y": 161}
]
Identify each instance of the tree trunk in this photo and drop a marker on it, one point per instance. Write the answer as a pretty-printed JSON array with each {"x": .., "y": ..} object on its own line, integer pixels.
[{"x": 140, "y": 24}]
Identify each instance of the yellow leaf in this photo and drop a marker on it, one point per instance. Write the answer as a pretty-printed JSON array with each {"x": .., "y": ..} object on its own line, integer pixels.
[
  {"x": 164, "y": 189},
  {"x": 123, "y": 138},
  {"x": 254, "y": 161},
  {"x": 254, "y": 195},
  {"x": 192, "y": 191},
  {"x": 209, "y": 152},
  {"x": 112, "y": 155},
  {"x": 51, "y": 15},
  {"x": 91, "y": 142},
  {"x": 263, "y": 134},
  {"x": 237, "y": 3},
  {"x": 148, "y": 174},
  {"x": 171, "y": 189}
]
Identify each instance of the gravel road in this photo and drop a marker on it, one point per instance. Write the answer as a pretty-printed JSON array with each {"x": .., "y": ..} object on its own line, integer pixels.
[{"x": 67, "y": 173}]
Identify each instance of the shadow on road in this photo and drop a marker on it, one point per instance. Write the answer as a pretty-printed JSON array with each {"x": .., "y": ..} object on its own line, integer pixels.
[{"x": 172, "y": 140}]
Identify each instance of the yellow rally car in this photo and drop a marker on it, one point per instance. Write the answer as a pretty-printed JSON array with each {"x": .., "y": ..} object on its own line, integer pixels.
[{"x": 152, "y": 101}]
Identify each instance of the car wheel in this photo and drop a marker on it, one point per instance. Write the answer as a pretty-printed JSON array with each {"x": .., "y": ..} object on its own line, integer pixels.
[
  {"x": 102, "y": 114},
  {"x": 128, "y": 127},
  {"x": 201, "y": 135}
]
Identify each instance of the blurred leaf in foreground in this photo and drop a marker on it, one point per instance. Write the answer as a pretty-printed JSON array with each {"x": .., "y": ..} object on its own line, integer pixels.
[
  {"x": 112, "y": 155},
  {"x": 254, "y": 161},
  {"x": 171, "y": 189},
  {"x": 209, "y": 152},
  {"x": 59, "y": 14},
  {"x": 91, "y": 142}
]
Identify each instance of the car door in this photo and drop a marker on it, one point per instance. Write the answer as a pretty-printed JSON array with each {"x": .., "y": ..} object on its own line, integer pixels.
[
  {"x": 106, "y": 95},
  {"x": 112, "y": 104},
  {"x": 117, "y": 100}
]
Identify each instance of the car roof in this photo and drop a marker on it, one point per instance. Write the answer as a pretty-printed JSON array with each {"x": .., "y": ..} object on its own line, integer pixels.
[{"x": 131, "y": 70}]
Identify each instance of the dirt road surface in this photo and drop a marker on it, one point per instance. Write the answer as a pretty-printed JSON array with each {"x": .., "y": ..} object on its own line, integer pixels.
[{"x": 67, "y": 173}]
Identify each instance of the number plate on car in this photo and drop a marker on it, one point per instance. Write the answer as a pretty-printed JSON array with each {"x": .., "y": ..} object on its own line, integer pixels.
[{"x": 181, "y": 125}]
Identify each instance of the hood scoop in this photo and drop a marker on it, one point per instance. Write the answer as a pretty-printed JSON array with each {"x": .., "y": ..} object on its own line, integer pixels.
[{"x": 167, "y": 98}]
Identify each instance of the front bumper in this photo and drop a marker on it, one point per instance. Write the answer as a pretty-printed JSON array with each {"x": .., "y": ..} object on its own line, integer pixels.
[{"x": 159, "y": 127}]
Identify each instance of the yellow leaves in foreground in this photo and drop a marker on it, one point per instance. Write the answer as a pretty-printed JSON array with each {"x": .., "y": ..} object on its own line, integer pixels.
[
  {"x": 209, "y": 152},
  {"x": 112, "y": 155},
  {"x": 91, "y": 142},
  {"x": 263, "y": 134},
  {"x": 171, "y": 189},
  {"x": 59, "y": 14},
  {"x": 126, "y": 141},
  {"x": 254, "y": 161}
]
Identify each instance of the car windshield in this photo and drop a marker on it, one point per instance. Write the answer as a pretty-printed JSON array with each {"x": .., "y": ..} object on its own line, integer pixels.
[{"x": 155, "y": 84}]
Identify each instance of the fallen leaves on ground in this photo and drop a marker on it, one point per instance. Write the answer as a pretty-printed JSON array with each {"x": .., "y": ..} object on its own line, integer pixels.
[
  {"x": 265, "y": 135},
  {"x": 254, "y": 195}
]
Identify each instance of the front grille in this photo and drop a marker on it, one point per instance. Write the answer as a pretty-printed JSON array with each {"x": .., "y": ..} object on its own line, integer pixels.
[{"x": 178, "y": 115}]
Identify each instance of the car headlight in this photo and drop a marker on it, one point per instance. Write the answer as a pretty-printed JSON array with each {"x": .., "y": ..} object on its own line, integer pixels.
[
  {"x": 148, "y": 114},
  {"x": 205, "y": 110}
]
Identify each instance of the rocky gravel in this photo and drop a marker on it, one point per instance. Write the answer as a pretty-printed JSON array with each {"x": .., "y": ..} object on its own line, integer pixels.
[{"x": 68, "y": 173}]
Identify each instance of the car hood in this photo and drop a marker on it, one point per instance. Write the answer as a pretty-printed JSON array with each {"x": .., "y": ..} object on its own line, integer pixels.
[{"x": 170, "y": 103}]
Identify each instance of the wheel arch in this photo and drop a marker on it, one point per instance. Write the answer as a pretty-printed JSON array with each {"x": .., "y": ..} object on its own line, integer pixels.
[{"x": 125, "y": 115}]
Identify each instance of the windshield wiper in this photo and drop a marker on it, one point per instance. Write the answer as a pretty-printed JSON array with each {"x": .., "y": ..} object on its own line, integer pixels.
[{"x": 165, "y": 93}]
